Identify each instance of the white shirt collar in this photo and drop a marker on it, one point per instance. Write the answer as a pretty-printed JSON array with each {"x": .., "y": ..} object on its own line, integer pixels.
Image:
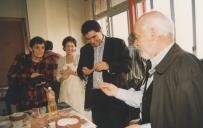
[{"x": 158, "y": 58}]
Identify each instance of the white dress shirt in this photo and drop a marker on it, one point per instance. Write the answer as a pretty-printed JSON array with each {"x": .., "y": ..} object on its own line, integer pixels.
[{"x": 98, "y": 56}]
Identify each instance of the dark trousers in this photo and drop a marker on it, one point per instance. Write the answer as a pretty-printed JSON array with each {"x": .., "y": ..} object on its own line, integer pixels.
[
  {"x": 108, "y": 112},
  {"x": 134, "y": 113}
]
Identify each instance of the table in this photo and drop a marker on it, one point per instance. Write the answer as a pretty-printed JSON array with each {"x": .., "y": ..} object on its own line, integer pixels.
[{"x": 63, "y": 108}]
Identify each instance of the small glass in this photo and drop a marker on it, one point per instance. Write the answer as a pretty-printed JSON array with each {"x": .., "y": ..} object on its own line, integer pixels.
[
  {"x": 35, "y": 112},
  {"x": 43, "y": 110}
]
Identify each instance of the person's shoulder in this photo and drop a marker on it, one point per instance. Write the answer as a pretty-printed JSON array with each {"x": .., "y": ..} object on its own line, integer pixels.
[
  {"x": 62, "y": 58},
  {"x": 186, "y": 56},
  {"x": 114, "y": 39},
  {"x": 76, "y": 58},
  {"x": 187, "y": 67},
  {"x": 77, "y": 55},
  {"x": 187, "y": 61},
  {"x": 86, "y": 46},
  {"x": 61, "y": 61},
  {"x": 52, "y": 54}
]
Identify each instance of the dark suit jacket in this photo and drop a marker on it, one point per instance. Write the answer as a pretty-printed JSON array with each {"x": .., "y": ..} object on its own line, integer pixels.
[
  {"x": 116, "y": 54},
  {"x": 177, "y": 97}
]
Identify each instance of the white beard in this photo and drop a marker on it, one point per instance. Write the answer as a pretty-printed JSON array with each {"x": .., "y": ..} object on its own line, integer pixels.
[{"x": 144, "y": 55}]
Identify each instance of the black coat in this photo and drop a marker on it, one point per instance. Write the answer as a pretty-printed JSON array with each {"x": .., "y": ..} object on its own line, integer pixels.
[
  {"x": 177, "y": 97},
  {"x": 116, "y": 54}
]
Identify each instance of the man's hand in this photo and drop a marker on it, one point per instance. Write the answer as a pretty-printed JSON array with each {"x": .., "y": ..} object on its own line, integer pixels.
[
  {"x": 99, "y": 66},
  {"x": 86, "y": 71},
  {"x": 108, "y": 89},
  {"x": 35, "y": 74},
  {"x": 133, "y": 126}
]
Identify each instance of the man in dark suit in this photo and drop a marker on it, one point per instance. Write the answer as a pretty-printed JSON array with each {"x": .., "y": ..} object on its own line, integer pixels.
[
  {"x": 173, "y": 94},
  {"x": 104, "y": 59}
]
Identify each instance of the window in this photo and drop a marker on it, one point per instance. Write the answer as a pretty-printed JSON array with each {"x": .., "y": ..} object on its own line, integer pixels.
[
  {"x": 100, "y": 6},
  {"x": 104, "y": 25},
  {"x": 163, "y": 6},
  {"x": 148, "y": 5},
  {"x": 199, "y": 27},
  {"x": 112, "y": 18},
  {"x": 116, "y": 2},
  {"x": 183, "y": 20},
  {"x": 188, "y": 19},
  {"x": 139, "y": 9},
  {"x": 120, "y": 26},
  {"x": 183, "y": 24}
]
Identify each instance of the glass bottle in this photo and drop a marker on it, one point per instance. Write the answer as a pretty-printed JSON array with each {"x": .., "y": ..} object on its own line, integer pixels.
[{"x": 52, "y": 108}]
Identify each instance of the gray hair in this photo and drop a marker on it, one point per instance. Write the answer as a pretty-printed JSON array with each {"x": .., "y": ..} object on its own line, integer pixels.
[
  {"x": 158, "y": 21},
  {"x": 132, "y": 37}
]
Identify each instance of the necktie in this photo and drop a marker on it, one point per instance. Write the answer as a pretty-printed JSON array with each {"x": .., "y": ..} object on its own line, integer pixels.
[
  {"x": 147, "y": 95},
  {"x": 148, "y": 67}
]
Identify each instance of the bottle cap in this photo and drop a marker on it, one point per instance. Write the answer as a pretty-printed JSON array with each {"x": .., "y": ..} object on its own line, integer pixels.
[{"x": 49, "y": 88}]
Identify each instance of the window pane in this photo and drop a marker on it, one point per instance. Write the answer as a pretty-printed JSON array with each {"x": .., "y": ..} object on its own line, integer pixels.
[
  {"x": 120, "y": 26},
  {"x": 100, "y": 6},
  {"x": 104, "y": 25},
  {"x": 116, "y": 2},
  {"x": 163, "y": 6},
  {"x": 139, "y": 9},
  {"x": 148, "y": 5},
  {"x": 199, "y": 28},
  {"x": 183, "y": 24}
]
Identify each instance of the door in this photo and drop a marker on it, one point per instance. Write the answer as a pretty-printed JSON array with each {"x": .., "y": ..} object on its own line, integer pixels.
[{"x": 13, "y": 40}]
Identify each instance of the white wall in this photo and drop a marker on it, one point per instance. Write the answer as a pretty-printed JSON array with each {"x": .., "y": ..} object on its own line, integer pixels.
[
  {"x": 76, "y": 20},
  {"x": 57, "y": 22},
  {"x": 37, "y": 18},
  {"x": 54, "y": 20}
]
